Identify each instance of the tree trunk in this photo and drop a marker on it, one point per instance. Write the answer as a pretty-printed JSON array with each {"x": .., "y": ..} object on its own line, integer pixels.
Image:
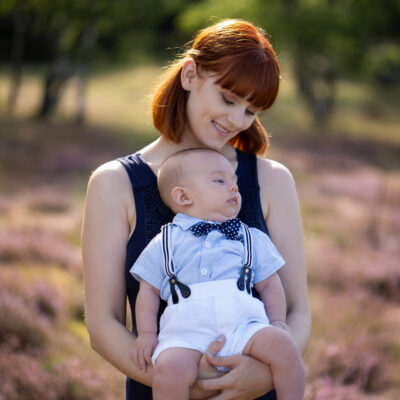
[
  {"x": 316, "y": 81},
  {"x": 55, "y": 81},
  {"x": 86, "y": 46},
  {"x": 17, "y": 52}
]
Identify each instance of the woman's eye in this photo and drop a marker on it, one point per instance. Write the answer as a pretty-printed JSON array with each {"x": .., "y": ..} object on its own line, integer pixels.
[
  {"x": 250, "y": 113},
  {"x": 226, "y": 100}
]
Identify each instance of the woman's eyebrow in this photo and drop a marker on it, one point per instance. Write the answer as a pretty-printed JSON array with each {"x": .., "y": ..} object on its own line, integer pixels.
[{"x": 238, "y": 98}]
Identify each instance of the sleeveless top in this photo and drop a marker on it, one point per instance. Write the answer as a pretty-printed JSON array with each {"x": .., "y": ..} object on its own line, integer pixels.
[{"x": 152, "y": 214}]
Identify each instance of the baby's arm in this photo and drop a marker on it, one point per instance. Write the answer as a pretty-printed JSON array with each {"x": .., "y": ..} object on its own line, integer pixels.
[
  {"x": 146, "y": 309},
  {"x": 273, "y": 296}
]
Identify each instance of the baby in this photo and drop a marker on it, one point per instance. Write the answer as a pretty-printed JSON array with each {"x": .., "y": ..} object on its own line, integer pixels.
[{"x": 204, "y": 264}]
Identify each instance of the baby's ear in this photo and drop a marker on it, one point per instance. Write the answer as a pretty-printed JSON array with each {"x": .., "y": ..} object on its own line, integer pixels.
[{"x": 180, "y": 196}]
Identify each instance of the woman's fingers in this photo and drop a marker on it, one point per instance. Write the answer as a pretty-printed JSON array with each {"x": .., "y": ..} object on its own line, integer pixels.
[
  {"x": 216, "y": 345},
  {"x": 230, "y": 362},
  {"x": 214, "y": 384}
]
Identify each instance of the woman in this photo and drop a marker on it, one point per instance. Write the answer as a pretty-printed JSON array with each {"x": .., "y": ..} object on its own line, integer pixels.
[{"x": 208, "y": 98}]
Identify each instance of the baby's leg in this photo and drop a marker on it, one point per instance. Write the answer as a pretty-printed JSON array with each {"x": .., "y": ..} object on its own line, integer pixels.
[
  {"x": 276, "y": 348},
  {"x": 175, "y": 371}
]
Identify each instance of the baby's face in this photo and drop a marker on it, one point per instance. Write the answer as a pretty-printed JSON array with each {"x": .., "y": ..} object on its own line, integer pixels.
[{"x": 213, "y": 188}]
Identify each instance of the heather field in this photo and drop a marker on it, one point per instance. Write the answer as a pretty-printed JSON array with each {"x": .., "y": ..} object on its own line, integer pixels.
[{"x": 348, "y": 180}]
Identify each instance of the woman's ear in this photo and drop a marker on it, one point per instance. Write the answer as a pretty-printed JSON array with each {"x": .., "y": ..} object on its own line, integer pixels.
[
  {"x": 180, "y": 196},
  {"x": 188, "y": 74}
]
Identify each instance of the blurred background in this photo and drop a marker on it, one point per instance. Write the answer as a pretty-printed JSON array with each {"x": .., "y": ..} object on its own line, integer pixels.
[{"x": 75, "y": 78}]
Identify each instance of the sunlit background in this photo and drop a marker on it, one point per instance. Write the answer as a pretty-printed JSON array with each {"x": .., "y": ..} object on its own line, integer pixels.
[{"x": 75, "y": 80}]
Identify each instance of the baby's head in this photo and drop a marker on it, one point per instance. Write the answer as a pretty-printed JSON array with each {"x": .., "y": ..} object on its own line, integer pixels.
[{"x": 200, "y": 183}]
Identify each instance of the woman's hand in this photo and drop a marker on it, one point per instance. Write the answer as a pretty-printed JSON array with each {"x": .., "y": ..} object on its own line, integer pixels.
[
  {"x": 208, "y": 371},
  {"x": 247, "y": 379}
]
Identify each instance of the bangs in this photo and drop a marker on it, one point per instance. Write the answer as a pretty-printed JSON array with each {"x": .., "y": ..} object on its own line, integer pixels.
[{"x": 254, "y": 77}]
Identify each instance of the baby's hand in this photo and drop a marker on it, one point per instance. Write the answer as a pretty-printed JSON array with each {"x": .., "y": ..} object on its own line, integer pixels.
[{"x": 143, "y": 349}]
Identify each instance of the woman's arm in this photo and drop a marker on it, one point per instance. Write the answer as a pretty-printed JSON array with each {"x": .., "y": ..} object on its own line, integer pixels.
[
  {"x": 282, "y": 214},
  {"x": 248, "y": 377},
  {"x": 108, "y": 221},
  {"x": 105, "y": 233}
]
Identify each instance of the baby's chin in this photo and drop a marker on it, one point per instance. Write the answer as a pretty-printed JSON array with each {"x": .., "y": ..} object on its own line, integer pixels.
[{"x": 225, "y": 217}]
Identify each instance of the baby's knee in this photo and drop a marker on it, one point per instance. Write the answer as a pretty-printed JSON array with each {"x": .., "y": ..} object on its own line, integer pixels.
[{"x": 173, "y": 369}]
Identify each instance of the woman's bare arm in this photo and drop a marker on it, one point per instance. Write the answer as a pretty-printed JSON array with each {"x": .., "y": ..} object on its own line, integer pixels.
[
  {"x": 109, "y": 218},
  {"x": 105, "y": 234},
  {"x": 282, "y": 214}
]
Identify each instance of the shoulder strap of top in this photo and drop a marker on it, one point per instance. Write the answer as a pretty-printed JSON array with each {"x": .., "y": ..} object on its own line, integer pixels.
[
  {"x": 247, "y": 168},
  {"x": 140, "y": 174}
]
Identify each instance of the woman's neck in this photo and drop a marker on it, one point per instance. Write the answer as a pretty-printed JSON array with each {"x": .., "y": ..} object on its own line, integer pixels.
[{"x": 156, "y": 152}]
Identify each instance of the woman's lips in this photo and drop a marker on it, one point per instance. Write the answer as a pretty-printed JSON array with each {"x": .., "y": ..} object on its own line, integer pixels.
[{"x": 222, "y": 131}]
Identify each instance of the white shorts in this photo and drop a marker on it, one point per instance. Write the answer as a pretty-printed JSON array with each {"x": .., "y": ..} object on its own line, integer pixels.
[{"x": 213, "y": 308}]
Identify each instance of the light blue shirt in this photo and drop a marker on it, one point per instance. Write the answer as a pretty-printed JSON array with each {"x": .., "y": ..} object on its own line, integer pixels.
[{"x": 204, "y": 258}]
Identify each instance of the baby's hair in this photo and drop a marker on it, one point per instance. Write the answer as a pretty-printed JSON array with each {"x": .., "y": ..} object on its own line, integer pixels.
[{"x": 175, "y": 171}]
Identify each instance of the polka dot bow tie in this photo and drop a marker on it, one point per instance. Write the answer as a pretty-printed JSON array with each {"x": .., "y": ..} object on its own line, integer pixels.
[{"x": 230, "y": 228}]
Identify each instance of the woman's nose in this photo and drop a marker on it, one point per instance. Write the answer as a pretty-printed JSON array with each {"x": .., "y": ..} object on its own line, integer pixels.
[{"x": 236, "y": 118}]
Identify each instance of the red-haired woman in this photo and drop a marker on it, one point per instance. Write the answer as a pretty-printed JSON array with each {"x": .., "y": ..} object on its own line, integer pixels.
[{"x": 209, "y": 97}]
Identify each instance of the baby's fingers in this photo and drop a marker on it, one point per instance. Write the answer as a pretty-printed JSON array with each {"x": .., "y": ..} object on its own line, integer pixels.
[
  {"x": 134, "y": 356},
  {"x": 147, "y": 356},
  {"x": 141, "y": 359}
]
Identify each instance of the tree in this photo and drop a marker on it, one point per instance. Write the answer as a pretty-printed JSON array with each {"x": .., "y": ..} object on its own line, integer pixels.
[
  {"x": 70, "y": 34},
  {"x": 326, "y": 39}
]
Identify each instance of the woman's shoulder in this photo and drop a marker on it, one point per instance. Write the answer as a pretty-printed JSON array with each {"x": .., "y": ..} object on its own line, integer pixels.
[
  {"x": 275, "y": 179},
  {"x": 273, "y": 171},
  {"x": 106, "y": 181},
  {"x": 109, "y": 174}
]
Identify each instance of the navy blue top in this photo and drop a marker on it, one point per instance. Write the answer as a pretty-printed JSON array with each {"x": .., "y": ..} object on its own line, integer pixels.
[{"x": 152, "y": 213}]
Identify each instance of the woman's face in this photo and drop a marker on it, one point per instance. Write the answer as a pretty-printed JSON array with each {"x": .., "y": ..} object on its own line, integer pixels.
[{"x": 215, "y": 115}]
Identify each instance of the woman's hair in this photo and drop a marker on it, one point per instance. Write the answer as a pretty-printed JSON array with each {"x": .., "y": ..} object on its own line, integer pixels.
[{"x": 245, "y": 64}]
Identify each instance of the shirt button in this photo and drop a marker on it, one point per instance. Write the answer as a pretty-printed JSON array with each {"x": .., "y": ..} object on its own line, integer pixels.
[
  {"x": 207, "y": 245},
  {"x": 203, "y": 271}
]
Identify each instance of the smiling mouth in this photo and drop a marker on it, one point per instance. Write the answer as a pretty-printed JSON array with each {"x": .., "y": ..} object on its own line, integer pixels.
[{"x": 220, "y": 129}]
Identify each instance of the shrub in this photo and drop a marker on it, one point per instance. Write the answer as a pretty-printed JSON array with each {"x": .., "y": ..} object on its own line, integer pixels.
[{"x": 19, "y": 321}]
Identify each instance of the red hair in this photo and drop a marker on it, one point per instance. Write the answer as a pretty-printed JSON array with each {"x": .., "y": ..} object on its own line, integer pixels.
[{"x": 245, "y": 63}]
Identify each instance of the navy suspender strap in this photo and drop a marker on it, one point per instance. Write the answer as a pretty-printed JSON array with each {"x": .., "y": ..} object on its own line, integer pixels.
[
  {"x": 170, "y": 268},
  {"x": 243, "y": 282},
  {"x": 246, "y": 272}
]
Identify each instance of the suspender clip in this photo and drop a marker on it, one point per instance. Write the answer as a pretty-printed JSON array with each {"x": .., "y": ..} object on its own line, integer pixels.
[{"x": 184, "y": 289}]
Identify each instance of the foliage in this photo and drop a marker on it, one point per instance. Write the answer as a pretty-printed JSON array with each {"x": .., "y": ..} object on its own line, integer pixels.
[{"x": 325, "y": 39}]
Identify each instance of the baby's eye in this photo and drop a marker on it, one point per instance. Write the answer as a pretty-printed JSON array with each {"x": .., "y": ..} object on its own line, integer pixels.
[{"x": 219, "y": 180}]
